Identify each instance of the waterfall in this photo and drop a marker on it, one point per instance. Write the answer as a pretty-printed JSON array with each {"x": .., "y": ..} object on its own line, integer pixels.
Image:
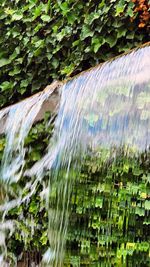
[{"x": 105, "y": 107}]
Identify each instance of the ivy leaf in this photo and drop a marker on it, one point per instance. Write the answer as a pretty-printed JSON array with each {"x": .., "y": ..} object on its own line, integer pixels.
[
  {"x": 71, "y": 17},
  {"x": 130, "y": 9},
  {"x": 45, "y": 18},
  {"x": 14, "y": 54},
  {"x": 39, "y": 44},
  {"x": 70, "y": 22},
  {"x": 120, "y": 7},
  {"x": 15, "y": 71},
  {"x": 139, "y": 211},
  {"x": 4, "y": 61},
  {"x": 68, "y": 69},
  {"x": 44, "y": 238},
  {"x": 32, "y": 3},
  {"x": 6, "y": 86},
  {"x": 17, "y": 16},
  {"x": 35, "y": 155},
  {"x": 130, "y": 35},
  {"x": 55, "y": 63},
  {"x": 2, "y": 144},
  {"x": 97, "y": 43},
  {"x": 147, "y": 205},
  {"x": 111, "y": 40},
  {"x": 102, "y": 4},
  {"x": 99, "y": 202},
  {"x": 86, "y": 32},
  {"x": 89, "y": 18},
  {"x": 37, "y": 12},
  {"x": 121, "y": 32},
  {"x": 61, "y": 35},
  {"x": 24, "y": 83},
  {"x": 75, "y": 43},
  {"x": 64, "y": 7},
  {"x": 19, "y": 60},
  {"x": 118, "y": 24},
  {"x": 33, "y": 207}
]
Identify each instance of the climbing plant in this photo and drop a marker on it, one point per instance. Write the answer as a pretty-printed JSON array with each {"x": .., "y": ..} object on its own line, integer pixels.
[
  {"x": 109, "y": 207},
  {"x": 46, "y": 40}
]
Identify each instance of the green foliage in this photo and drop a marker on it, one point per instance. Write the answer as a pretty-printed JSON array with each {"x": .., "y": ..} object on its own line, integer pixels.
[
  {"x": 110, "y": 211},
  {"x": 46, "y": 40},
  {"x": 109, "y": 208},
  {"x": 31, "y": 214}
]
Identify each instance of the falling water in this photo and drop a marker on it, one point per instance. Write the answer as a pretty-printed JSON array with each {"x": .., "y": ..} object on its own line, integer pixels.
[
  {"x": 106, "y": 107},
  {"x": 20, "y": 119}
]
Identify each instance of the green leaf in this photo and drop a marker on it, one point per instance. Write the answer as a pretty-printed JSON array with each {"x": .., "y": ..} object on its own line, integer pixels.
[
  {"x": 121, "y": 32},
  {"x": 37, "y": 52},
  {"x": 6, "y": 86},
  {"x": 37, "y": 12},
  {"x": 15, "y": 71},
  {"x": 96, "y": 47},
  {"x": 71, "y": 17},
  {"x": 89, "y": 18},
  {"x": 32, "y": 3},
  {"x": 55, "y": 63},
  {"x": 61, "y": 35},
  {"x": 97, "y": 43},
  {"x": 86, "y": 32},
  {"x": 45, "y": 18},
  {"x": 139, "y": 211},
  {"x": 130, "y": 35},
  {"x": 102, "y": 4},
  {"x": 33, "y": 207},
  {"x": 44, "y": 238},
  {"x": 130, "y": 9},
  {"x": 120, "y": 7},
  {"x": 48, "y": 6},
  {"x": 2, "y": 145},
  {"x": 75, "y": 43},
  {"x": 38, "y": 27},
  {"x": 118, "y": 24},
  {"x": 55, "y": 28},
  {"x": 39, "y": 44},
  {"x": 17, "y": 16},
  {"x": 4, "y": 61},
  {"x": 80, "y": 23},
  {"x": 19, "y": 60},
  {"x": 147, "y": 204},
  {"x": 68, "y": 69},
  {"x": 111, "y": 40},
  {"x": 35, "y": 155},
  {"x": 9, "y": 11},
  {"x": 24, "y": 83},
  {"x": 64, "y": 7},
  {"x": 14, "y": 54},
  {"x": 99, "y": 202}
]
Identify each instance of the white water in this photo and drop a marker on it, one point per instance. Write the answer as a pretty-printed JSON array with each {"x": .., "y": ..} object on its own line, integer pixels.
[{"x": 108, "y": 106}]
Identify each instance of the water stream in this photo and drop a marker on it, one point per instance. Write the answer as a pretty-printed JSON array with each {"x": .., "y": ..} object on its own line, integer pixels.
[{"x": 107, "y": 107}]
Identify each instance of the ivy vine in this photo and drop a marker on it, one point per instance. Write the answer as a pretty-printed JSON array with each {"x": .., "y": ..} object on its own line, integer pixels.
[{"x": 46, "y": 40}]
